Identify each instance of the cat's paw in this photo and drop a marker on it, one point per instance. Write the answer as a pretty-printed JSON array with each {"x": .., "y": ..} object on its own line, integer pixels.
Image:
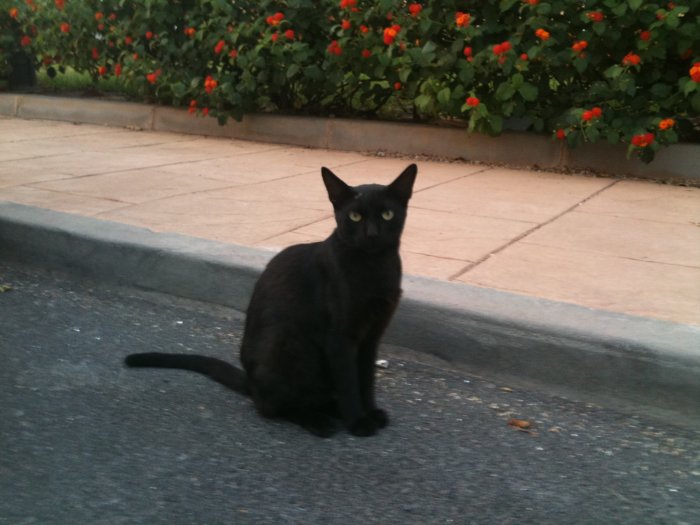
[
  {"x": 363, "y": 426},
  {"x": 380, "y": 417}
]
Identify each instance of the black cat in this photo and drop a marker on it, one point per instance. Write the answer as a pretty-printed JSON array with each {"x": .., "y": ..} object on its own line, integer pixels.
[{"x": 316, "y": 316}]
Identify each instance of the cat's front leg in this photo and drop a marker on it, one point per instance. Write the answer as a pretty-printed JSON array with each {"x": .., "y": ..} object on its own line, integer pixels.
[{"x": 342, "y": 356}]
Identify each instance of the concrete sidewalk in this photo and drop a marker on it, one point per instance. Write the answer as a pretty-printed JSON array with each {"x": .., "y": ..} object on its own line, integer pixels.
[
  {"x": 624, "y": 246},
  {"x": 590, "y": 285}
]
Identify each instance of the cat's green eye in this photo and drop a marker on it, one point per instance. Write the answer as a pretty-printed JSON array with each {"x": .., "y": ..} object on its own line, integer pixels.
[
  {"x": 387, "y": 215},
  {"x": 354, "y": 216}
]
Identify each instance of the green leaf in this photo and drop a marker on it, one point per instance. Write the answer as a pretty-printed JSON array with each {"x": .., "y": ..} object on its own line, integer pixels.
[
  {"x": 660, "y": 90},
  {"x": 505, "y": 91},
  {"x": 506, "y": 4},
  {"x": 423, "y": 102},
  {"x": 292, "y": 70},
  {"x": 528, "y": 92},
  {"x": 635, "y": 4},
  {"x": 444, "y": 95},
  {"x": 613, "y": 71},
  {"x": 495, "y": 124},
  {"x": 695, "y": 102}
]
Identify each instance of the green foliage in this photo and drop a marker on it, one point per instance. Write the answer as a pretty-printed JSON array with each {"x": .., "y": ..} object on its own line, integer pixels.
[{"x": 546, "y": 64}]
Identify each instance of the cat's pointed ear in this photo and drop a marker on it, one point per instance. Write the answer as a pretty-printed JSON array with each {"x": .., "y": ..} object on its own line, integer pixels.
[
  {"x": 338, "y": 191},
  {"x": 402, "y": 187}
]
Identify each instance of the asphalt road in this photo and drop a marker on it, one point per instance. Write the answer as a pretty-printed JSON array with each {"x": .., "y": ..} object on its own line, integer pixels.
[{"x": 85, "y": 441}]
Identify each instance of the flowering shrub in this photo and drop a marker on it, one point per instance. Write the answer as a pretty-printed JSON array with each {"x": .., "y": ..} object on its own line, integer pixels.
[{"x": 616, "y": 70}]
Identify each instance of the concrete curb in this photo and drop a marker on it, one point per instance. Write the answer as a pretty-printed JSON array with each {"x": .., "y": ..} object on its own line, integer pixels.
[
  {"x": 676, "y": 163},
  {"x": 592, "y": 354}
]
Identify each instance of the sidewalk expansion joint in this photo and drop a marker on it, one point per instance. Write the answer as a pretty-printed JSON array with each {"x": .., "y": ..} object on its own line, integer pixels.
[{"x": 525, "y": 234}]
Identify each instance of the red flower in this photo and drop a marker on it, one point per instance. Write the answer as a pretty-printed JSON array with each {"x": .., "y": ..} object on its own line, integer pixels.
[
  {"x": 233, "y": 53},
  {"x": 99, "y": 16},
  {"x": 643, "y": 140},
  {"x": 645, "y": 35},
  {"x": 366, "y": 53},
  {"x": 95, "y": 53},
  {"x": 579, "y": 46},
  {"x": 597, "y": 112},
  {"x": 345, "y": 24},
  {"x": 467, "y": 51},
  {"x": 345, "y": 4},
  {"x": 695, "y": 72},
  {"x": 364, "y": 28},
  {"x": 118, "y": 70},
  {"x": 189, "y": 31},
  {"x": 334, "y": 48},
  {"x": 587, "y": 115},
  {"x": 275, "y": 36},
  {"x": 59, "y": 4},
  {"x": 25, "y": 41},
  {"x": 219, "y": 47},
  {"x": 113, "y": 16},
  {"x": 149, "y": 35},
  {"x": 462, "y": 19},
  {"x": 390, "y": 34},
  {"x": 415, "y": 9},
  {"x": 524, "y": 56},
  {"x": 289, "y": 34},
  {"x": 65, "y": 27},
  {"x": 275, "y": 19},
  {"x": 501, "y": 48},
  {"x": 152, "y": 78},
  {"x": 102, "y": 70},
  {"x": 14, "y": 12},
  {"x": 561, "y": 134},
  {"x": 595, "y": 16},
  {"x": 473, "y": 102},
  {"x": 533, "y": 2},
  {"x": 193, "y": 107},
  {"x": 631, "y": 59},
  {"x": 397, "y": 86},
  {"x": 210, "y": 84}
]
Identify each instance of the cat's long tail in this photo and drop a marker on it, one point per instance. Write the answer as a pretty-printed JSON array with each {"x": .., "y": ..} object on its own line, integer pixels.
[{"x": 218, "y": 370}]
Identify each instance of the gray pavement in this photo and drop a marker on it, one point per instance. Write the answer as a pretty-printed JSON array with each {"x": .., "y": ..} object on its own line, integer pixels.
[{"x": 86, "y": 441}]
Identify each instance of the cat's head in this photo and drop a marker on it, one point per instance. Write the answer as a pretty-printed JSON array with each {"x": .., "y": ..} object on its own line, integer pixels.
[{"x": 370, "y": 217}]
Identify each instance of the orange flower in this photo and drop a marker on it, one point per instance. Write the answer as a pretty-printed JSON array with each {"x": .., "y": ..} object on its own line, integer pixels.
[
  {"x": 345, "y": 24},
  {"x": 210, "y": 84},
  {"x": 59, "y": 4},
  {"x": 190, "y": 31},
  {"x": 99, "y": 16},
  {"x": 643, "y": 140},
  {"x": 390, "y": 34},
  {"x": 102, "y": 70},
  {"x": 65, "y": 27},
  {"x": 631, "y": 59},
  {"x": 462, "y": 19},
  {"x": 542, "y": 34},
  {"x": 579, "y": 46},
  {"x": 667, "y": 123},
  {"x": 695, "y": 72},
  {"x": 13, "y": 12},
  {"x": 364, "y": 28}
]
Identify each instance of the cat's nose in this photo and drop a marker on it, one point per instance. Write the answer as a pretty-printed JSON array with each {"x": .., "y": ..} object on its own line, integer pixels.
[{"x": 372, "y": 231}]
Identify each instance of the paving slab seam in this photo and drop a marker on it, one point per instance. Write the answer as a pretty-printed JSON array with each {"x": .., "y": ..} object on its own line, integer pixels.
[
  {"x": 591, "y": 352},
  {"x": 527, "y": 233}
]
